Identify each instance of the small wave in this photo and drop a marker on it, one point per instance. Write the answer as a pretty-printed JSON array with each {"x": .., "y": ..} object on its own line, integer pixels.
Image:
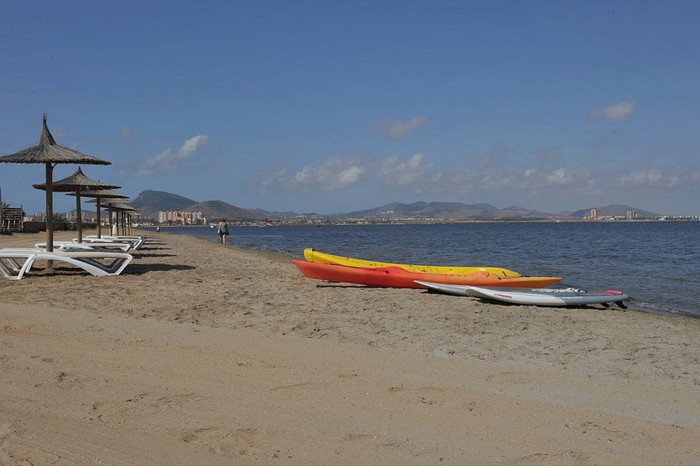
[{"x": 652, "y": 308}]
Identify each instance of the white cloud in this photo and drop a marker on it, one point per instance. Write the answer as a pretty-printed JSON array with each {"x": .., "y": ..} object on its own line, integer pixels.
[
  {"x": 517, "y": 181},
  {"x": 392, "y": 128},
  {"x": 545, "y": 180},
  {"x": 333, "y": 174},
  {"x": 560, "y": 176},
  {"x": 577, "y": 179},
  {"x": 649, "y": 179},
  {"x": 170, "y": 160},
  {"x": 397, "y": 174},
  {"x": 618, "y": 111}
]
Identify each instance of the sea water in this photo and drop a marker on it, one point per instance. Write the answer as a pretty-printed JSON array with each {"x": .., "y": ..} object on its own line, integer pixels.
[{"x": 656, "y": 263}]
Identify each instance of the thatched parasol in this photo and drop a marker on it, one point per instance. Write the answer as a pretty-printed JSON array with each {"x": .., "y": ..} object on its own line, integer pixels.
[
  {"x": 117, "y": 206},
  {"x": 126, "y": 212},
  {"x": 101, "y": 194},
  {"x": 76, "y": 183},
  {"x": 50, "y": 153}
]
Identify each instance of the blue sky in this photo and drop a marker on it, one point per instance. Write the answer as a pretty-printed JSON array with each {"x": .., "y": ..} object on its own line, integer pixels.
[{"x": 317, "y": 106}]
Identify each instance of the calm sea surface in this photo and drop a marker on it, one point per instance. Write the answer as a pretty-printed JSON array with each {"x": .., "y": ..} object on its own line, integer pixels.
[{"x": 656, "y": 263}]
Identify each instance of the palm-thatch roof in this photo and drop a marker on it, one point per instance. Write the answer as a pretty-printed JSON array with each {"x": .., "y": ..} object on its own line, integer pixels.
[
  {"x": 114, "y": 203},
  {"x": 48, "y": 151},
  {"x": 123, "y": 207},
  {"x": 119, "y": 206},
  {"x": 102, "y": 194},
  {"x": 76, "y": 182}
]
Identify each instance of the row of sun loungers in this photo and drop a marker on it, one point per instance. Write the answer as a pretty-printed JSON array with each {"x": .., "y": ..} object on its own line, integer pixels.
[
  {"x": 70, "y": 245},
  {"x": 99, "y": 256},
  {"x": 135, "y": 241}
]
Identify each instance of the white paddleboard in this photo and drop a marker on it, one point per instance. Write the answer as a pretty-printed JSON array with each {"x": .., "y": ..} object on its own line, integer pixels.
[{"x": 532, "y": 296}]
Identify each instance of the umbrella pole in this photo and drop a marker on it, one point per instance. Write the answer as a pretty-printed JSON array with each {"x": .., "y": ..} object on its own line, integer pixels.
[
  {"x": 99, "y": 219},
  {"x": 111, "y": 228},
  {"x": 49, "y": 212},
  {"x": 79, "y": 213}
]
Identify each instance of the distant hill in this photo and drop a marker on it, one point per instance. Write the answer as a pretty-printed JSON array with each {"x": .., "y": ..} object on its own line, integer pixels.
[
  {"x": 446, "y": 211},
  {"x": 287, "y": 214},
  {"x": 514, "y": 212},
  {"x": 459, "y": 211},
  {"x": 613, "y": 211},
  {"x": 149, "y": 203},
  {"x": 216, "y": 210}
]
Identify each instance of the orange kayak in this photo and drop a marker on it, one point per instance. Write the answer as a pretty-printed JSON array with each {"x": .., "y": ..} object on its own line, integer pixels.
[{"x": 396, "y": 277}]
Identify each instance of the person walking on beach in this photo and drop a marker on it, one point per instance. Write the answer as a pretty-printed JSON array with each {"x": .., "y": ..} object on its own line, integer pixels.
[{"x": 223, "y": 231}]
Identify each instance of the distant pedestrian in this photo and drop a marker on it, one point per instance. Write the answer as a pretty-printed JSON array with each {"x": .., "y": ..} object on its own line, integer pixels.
[
  {"x": 158, "y": 229},
  {"x": 222, "y": 230}
]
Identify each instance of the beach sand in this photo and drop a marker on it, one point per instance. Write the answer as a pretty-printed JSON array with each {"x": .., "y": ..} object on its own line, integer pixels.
[{"x": 201, "y": 354}]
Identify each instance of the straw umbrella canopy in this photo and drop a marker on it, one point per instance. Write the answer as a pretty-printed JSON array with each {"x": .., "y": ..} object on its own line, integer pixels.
[
  {"x": 122, "y": 209},
  {"x": 116, "y": 205},
  {"x": 49, "y": 153},
  {"x": 76, "y": 183},
  {"x": 126, "y": 212},
  {"x": 101, "y": 194}
]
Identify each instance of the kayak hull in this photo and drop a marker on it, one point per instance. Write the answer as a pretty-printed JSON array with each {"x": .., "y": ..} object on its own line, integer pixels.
[
  {"x": 396, "y": 277},
  {"x": 536, "y": 297},
  {"x": 312, "y": 255}
]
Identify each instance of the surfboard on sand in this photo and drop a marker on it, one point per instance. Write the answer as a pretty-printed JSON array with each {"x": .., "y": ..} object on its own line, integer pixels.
[{"x": 533, "y": 296}]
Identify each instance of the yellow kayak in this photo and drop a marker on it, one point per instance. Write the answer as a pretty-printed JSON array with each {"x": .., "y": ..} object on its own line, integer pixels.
[{"x": 322, "y": 258}]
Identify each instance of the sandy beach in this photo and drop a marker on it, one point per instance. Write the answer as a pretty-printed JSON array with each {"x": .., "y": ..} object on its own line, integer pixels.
[{"x": 201, "y": 354}]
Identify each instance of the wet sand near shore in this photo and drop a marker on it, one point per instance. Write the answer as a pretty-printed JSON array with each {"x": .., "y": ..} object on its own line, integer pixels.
[{"x": 207, "y": 354}]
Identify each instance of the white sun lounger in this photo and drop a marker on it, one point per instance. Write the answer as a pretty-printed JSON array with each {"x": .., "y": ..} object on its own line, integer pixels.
[
  {"x": 135, "y": 241},
  {"x": 14, "y": 263},
  {"x": 92, "y": 246},
  {"x": 9, "y": 260}
]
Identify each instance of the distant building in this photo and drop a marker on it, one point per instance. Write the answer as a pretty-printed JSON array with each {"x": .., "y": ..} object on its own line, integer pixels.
[
  {"x": 594, "y": 214},
  {"x": 631, "y": 215},
  {"x": 181, "y": 217},
  {"x": 72, "y": 216}
]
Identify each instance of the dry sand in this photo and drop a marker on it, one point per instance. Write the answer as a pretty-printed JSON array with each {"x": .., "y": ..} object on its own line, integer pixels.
[{"x": 201, "y": 354}]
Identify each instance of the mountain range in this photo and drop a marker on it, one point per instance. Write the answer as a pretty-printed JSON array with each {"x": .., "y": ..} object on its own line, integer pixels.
[{"x": 149, "y": 203}]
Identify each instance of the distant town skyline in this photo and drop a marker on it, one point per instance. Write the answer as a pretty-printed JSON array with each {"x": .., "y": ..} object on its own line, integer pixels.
[{"x": 336, "y": 107}]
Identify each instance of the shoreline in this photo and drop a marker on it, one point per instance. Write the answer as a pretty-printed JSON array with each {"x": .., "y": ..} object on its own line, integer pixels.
[
  {"x": 645, "y": 304},
  {"x": 370, "y": 222},
  {"x": 202, "y": 354}
]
